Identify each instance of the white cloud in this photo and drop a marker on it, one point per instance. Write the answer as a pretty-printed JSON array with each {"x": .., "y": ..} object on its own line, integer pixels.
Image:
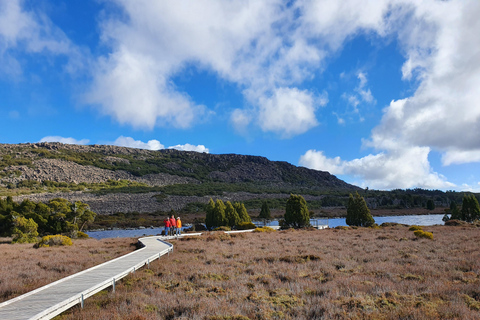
[
  {"x": 243, "y": 42},
  {"x": 189, "y": 147},
  {"x": 240, "y": 120},
  {"x": 442, "y": 53},
  {"x": 33, "y": 33},
  {"x": 156, "y": 145},
  {"x": 131, "y": 88},
  {"x": 64, "y": 140},
  {"x": 288, "y": 112},
  {"x": 314, "y": 159},
  {"x": 365, "y": 93},
  {"x": 459, "y": 157},
  {"x": 132, "y": 143},
  {"x": 402, "y": 168}
]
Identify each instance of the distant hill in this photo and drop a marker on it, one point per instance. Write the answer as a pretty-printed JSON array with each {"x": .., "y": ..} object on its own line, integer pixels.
[{"x": 112, "y": 178}]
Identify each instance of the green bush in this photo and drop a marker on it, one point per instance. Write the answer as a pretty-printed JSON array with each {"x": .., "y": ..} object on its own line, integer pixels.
[
  {"x": 223, "y": 228},
  {"x": 54, "y": 240},
  {"x": 264, "y": 229},
  {"x": 82, "y": 235},
  {"x": 423, "y": 234},
  {"x": 415, "y": 228},
  {"x": 245, "y": 226}
]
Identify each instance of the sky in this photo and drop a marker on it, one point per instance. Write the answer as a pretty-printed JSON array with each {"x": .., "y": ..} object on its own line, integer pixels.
[{"x": 383, "y": 94}]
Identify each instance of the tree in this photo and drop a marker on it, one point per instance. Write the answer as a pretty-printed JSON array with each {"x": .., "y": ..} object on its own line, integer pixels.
[
  {"x": 231, "y": 215},
  {"x": 242, "y": 212},
  {"x": 24, "y": 230},
  {"x": 210, "y": 212},
  {"x": 265, "y": 212},
  {"x": 352, "y": 212},
  {"x": 358, "y": 213},
  {"x": 219, "y": 214},
  {"x": 296, "y": 212},
  {"x": 470, "y": 209},
  {"x": 430, "y": 204}
]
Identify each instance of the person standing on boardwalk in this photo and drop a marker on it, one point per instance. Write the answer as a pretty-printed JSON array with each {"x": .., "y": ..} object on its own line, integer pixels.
[
  {"x": 179, "y": 226},
  {"x": 166, "y": 223},
  {"x": 173, "y": 225}
]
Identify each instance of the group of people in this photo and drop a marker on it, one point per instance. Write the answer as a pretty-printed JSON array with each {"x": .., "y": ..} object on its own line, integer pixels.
[{"x": 173, "y": 226}]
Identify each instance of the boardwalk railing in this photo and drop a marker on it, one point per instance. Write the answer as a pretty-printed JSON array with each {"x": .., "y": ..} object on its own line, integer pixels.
[{"x": 15, "y": 309}]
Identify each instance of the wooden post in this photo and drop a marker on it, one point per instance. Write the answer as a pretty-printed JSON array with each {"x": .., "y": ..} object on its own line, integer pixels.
[{"x": 113, "y": 284}]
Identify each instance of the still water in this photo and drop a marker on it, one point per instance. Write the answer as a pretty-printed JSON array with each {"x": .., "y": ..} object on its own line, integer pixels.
[{"x": 421, "y": 220}]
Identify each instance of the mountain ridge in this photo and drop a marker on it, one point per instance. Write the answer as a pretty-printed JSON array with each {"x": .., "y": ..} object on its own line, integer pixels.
[{"x": 36, "y": 167}]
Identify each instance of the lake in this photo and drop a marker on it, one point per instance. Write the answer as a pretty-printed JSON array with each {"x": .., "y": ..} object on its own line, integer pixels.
[{"x": 420, "y": 220}]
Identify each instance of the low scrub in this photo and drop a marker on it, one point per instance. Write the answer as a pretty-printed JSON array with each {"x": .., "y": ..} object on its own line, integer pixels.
[
  {"x": 82, "y": 235},
  {"x": 245, "y": 226},
  {"x": 223, "y": 228},
  {"x": 415, "y": 228},
  {"x": 292, "y": 274},
  {"x": 423, "y": 234},
  {"x": 55, "y": 240},
  {"x": 264, "y": 229}
]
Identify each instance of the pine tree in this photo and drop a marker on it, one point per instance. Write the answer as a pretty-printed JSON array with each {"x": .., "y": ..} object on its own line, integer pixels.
[
  {"x": 296, "y": 212},
  {"x": 210, "y": 212},
  {"x": 352, "y": 212},
  {"x": 242, "y": 212},
  {"x": 358, "y": 213},
  {"x": 470, "y": 209},
  {"x": 219, "y": 214},
  {"x": 265, "y": 212},
  {"x": 430, "y": 204},
  {"x": 454, "y": 211},
  {"x": 231, "y": 215}
]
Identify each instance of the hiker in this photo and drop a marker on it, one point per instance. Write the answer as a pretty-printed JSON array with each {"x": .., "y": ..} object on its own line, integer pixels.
[
  {"x": 166, "y": 223},
  {"x": 179, "y": 226},
  {"x": 173, "y": 225}
]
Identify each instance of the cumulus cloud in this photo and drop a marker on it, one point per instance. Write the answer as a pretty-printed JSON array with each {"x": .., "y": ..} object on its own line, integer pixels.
[
  {"x": 401, "y": 168},
  {"x": 442, "y": 54},
  {"x": 189, "y": 147},
  {"x": 64, "y": 140},
  {"x": 156, "y": 145},
  {"x": 241, "y": 42},
  {"x": 288, "y": 112},
  {"x": 132, "y": 143},
  {"x": 437, "y": 39}
]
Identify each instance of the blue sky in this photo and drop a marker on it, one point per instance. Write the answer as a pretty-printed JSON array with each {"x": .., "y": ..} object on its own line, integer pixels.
[{"x": 383, "y": 94}]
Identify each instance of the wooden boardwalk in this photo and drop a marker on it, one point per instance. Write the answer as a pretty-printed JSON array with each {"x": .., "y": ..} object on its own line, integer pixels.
[{"x": 51, "y": 300}]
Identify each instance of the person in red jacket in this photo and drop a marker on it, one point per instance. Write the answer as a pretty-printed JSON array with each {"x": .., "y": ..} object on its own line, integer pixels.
[
  {"x": 167, "y": 225},
  {"x": 173, "y": 225}
]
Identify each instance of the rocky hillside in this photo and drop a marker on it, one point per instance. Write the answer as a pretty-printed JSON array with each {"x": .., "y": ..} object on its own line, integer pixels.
[{"x": 138, "y": 176}]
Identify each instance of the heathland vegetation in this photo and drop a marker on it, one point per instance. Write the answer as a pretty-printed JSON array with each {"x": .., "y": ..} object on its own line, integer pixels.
[
  {"x": 24, "y": 268},
  {"x": 345, "y": 273}
]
